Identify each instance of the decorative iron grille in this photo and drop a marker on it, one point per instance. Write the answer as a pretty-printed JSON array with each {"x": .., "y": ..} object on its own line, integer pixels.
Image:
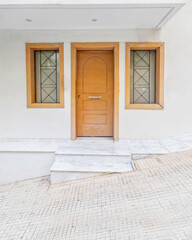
[
  {"x": 47, "y": 76},
  {"x": 142, "y": 76}
]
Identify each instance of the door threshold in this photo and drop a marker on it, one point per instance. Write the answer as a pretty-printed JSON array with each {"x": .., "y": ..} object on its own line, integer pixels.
[{"x": 94, "y": 138}]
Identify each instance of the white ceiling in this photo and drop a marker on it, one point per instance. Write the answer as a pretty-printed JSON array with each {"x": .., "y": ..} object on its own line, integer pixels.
[{"x": 76, "y": 16}]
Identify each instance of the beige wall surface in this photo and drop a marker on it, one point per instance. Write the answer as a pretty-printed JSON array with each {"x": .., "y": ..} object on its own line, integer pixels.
[{"x": 18, "y": 121}]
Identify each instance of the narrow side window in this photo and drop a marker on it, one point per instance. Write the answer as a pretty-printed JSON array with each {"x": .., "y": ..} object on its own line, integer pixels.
[
  {"x": 144, "y": 75},
  {"x": 45, "y": 75}
]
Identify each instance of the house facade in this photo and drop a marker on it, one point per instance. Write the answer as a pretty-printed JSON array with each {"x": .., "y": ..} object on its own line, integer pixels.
[
  {"x": 77, "y": 69},
  {"x": 20, "y": 120}
]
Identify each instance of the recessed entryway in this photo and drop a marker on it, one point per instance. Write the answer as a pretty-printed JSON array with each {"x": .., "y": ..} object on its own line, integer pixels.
[{"x": 95, "y": 90}]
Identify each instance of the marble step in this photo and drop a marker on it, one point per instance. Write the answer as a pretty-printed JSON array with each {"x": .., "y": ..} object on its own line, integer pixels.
[
  {"x": 65, "y": 171},
  {"x": 90, "y": 167},
  {"x": 68, "y": 167},
  {"x": 92, "y": 158},
  {"x": 97, "y": 148},
  {"x": 83, "y": 158}
]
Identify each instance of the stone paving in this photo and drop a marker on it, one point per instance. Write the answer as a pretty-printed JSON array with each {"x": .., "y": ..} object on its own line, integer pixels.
[{"x": 153, "y": 202}]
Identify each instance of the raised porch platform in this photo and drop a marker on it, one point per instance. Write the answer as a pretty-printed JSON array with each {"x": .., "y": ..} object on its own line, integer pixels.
[{"x": 68, "y": 160}]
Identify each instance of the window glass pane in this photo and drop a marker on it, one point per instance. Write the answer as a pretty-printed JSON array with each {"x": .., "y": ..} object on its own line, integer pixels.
[
  {"x": 47, "y": 76},
  {"x": 142, "y": 76}
]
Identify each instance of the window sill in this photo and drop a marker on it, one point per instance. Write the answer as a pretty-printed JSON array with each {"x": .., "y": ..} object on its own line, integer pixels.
[
  {"x": 144, "y": 106},
  {"x": 45, "y": 105}
]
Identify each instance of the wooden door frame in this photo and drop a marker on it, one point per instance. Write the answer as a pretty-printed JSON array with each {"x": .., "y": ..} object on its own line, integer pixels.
[{"x": 88, "y": 47}]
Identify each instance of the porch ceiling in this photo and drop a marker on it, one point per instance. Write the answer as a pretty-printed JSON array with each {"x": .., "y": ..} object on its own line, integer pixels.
[{"x": 114, "y": 15}]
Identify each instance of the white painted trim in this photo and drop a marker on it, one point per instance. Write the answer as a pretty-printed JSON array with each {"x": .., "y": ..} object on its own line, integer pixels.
[{"x": 87, "y": 2}]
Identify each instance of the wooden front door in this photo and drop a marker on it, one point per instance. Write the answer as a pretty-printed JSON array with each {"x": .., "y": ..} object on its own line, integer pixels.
[{"x": 94, "y": 93}]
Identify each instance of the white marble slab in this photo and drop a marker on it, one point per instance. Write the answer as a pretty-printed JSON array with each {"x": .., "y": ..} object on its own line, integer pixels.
[
  {"x": 186, "y": 139},
  {"x": 86, "y": 147},
  {"x": 90, "y": 167},
  {"x": 174, "y": 145},
  {"x": 92, "y": 158},
  {"x": 154, "y": 147},
  {"x": 98, "y": 146}
]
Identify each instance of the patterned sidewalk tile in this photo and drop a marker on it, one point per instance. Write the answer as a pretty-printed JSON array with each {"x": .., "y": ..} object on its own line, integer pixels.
[{"x": 152, "y": 203}]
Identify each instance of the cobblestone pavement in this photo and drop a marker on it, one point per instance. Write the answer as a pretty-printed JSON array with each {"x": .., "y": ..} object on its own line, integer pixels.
[{"x": 154, "y": 202}]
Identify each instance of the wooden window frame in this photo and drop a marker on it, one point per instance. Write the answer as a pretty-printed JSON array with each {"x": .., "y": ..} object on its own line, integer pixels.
[
  {"x": 30, "y": 68},
  {"x": 114, "y": 46},
  {"x": 159, "y": 47}
]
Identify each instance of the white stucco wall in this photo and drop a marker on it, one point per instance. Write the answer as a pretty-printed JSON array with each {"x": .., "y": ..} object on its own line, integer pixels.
[
  {"x": 18, "y": 121},
  {"x": 17, "y": 166}
]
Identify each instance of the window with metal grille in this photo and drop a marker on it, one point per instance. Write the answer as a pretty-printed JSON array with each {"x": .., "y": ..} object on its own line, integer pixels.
[
  {"x": 142, "y": 76},
  {"x": 47, "y": 85},
  {"x": 45, "y": 75}
]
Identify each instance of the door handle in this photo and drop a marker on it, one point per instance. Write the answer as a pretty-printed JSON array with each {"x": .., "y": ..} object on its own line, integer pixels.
[{"x": 94, "y": 97}]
